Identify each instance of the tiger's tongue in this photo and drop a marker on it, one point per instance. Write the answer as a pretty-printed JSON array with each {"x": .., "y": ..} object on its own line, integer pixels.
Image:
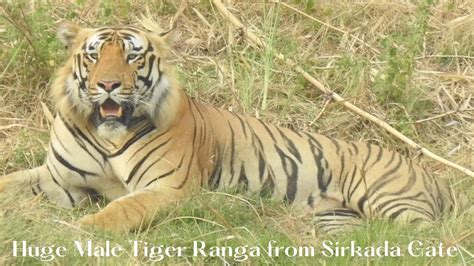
[{"x": 110, "y": 108}]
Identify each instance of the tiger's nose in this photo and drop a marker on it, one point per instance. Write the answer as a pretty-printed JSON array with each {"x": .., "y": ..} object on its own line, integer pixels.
[{"x": 109, "y": 85}]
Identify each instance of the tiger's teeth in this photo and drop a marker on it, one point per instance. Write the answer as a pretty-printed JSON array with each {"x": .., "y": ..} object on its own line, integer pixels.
[{"x": 102, "y": 112}]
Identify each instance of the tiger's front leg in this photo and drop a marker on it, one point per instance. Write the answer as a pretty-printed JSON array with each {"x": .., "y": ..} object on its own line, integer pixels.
[
  {"x": 39, "y": 181},
  {"x": 17, "y": 180},
  {"x": 133, "y": 211},
  {"x": 70, "y": 174}
]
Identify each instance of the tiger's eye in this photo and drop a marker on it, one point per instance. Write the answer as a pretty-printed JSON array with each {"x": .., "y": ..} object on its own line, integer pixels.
[
  {"x": 130, "y": 57},
  {"x": 94, "y": 56}
]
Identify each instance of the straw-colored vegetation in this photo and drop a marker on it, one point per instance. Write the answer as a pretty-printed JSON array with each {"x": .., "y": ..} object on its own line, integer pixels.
[{"x": 409, "y": 63}]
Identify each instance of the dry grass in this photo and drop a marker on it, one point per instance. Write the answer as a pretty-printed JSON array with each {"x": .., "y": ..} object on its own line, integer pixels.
[{"x": 410, "y": 64}]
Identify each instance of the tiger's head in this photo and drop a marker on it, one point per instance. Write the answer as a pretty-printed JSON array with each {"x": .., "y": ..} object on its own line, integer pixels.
[{"x": 113, "y": 77}]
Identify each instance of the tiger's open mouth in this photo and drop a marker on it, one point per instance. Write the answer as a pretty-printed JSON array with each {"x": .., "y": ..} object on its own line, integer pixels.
[
  {"x": 110, "y": 109},
  {"x": 112, "y": 113}
]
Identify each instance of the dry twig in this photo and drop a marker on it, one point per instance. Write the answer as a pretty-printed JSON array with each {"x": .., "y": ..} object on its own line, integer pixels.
[
  {"x": 443, "y": 115},
  {"x": 256, "y": 40}
]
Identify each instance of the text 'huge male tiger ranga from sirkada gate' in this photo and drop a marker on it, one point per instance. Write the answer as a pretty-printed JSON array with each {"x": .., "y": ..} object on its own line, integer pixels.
[{"x": 124, "y": 129}]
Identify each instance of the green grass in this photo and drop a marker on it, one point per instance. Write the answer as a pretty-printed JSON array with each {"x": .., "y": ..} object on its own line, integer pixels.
[
  {"x": 218, "y": 219},
  {"x": 393, "y": 80},
  {"x": 30, "y": 150}
]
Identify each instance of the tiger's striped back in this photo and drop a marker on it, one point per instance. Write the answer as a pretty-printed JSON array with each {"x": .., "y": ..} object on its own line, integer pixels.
[{"x": 306, "y": 168}]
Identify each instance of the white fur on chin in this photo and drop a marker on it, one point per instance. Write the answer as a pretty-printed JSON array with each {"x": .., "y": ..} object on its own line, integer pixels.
[{"x": 111, "y": 130}]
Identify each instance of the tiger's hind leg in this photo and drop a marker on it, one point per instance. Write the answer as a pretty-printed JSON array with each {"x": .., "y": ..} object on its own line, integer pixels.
[{"x": 332, "y": 217}]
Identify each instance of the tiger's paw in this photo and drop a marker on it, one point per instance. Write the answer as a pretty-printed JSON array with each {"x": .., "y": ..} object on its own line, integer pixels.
[
  {"x": 86, "y": 221},
  {"x": 102, "y": 223},
  {"x": 118, "y": 216},
  {"x": 4, "y": 182}
]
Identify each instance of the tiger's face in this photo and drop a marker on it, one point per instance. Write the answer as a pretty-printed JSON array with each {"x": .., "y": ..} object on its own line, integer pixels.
[{"x": 115, "y": 75}]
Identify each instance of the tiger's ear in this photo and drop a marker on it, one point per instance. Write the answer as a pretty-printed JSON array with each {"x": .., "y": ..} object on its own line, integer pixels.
[
  {"x": 67, "y": 32},
  {"x": 154, "y": 28},
  {"x": 168, "y": 34}
]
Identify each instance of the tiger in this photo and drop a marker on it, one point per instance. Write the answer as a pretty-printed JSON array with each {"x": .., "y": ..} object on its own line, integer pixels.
[{"x": 125, "y": 129}]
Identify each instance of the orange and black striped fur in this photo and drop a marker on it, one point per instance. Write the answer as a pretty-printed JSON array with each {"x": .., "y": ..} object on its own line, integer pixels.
[{"x": 125, "y": 129}]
